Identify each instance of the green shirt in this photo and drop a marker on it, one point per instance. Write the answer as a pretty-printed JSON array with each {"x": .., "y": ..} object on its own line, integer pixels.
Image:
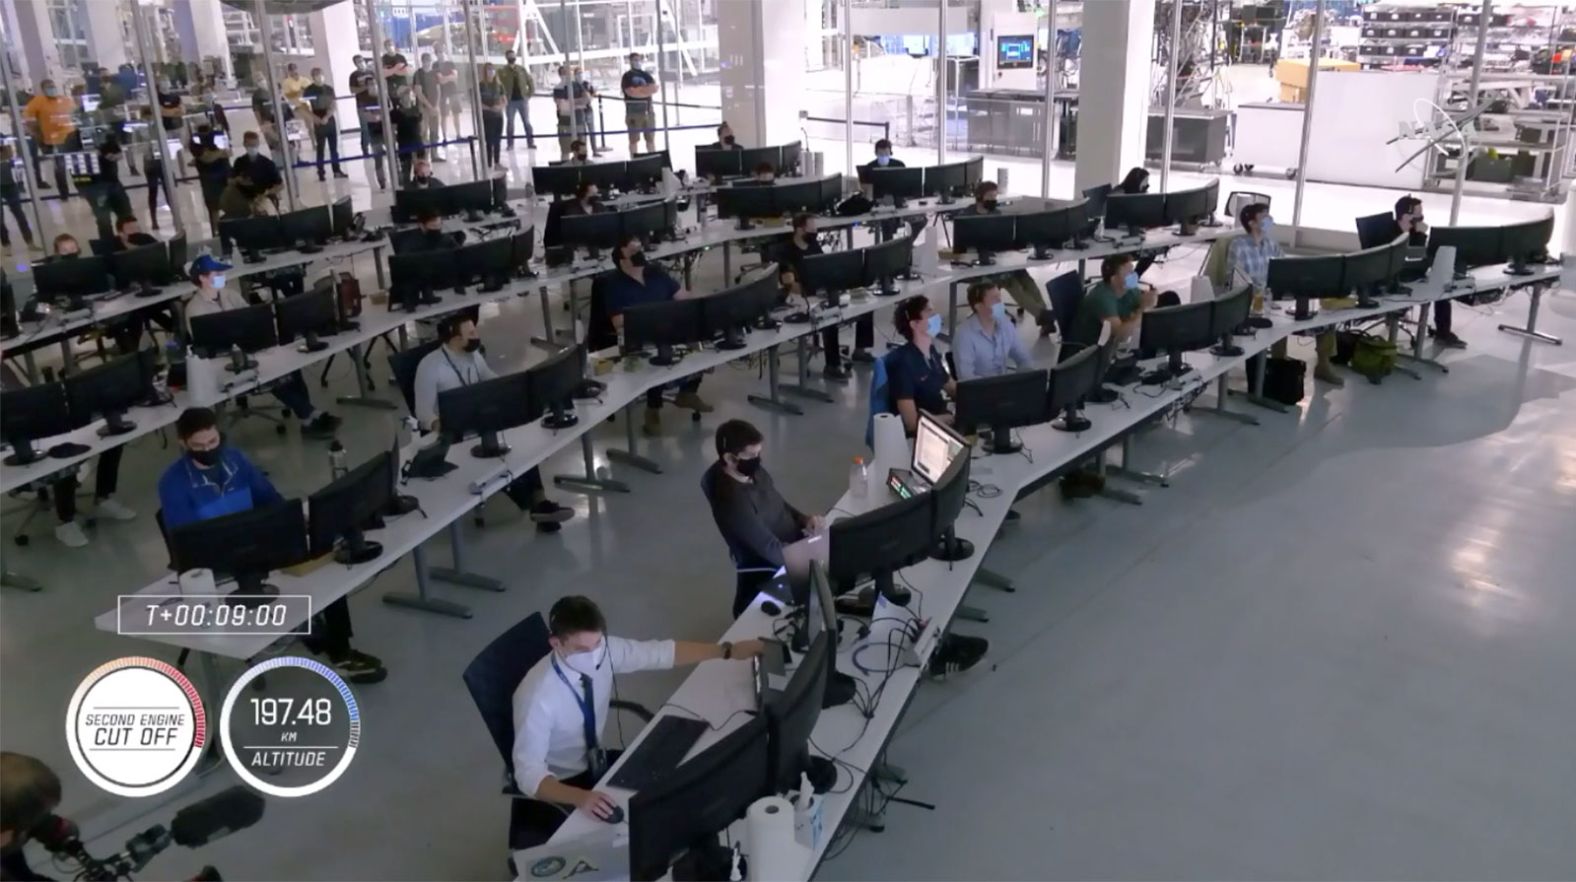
[{"x": 1098, "y": 305}]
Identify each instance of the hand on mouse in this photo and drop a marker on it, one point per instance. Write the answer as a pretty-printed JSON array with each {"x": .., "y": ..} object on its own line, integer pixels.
[{"x": 597, "y": 805}]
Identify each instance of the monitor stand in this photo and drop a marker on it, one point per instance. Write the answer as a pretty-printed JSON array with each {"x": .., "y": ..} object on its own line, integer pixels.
[
  {"x": 887, "y": 288},
  {"x": 1174, "y": 367},
  {"x": 251, "y": 590},
  {"x": 559, "y": 418},
  {"x": 1187, "y": 229},
  {"x": 1304, "y": 310},
  {"x": 309, "y": 248},
  {"x": 665, "y": 356},
  {"x": 401, "y": 505},
  {"x": 946, "y": 198},
  {"x": 731, "y": 339},
  {"x": 744, "y": 223},
  {"x": 490, "y": 447},
  {"x": 950, "y": 548},
  {"x": 1041, "y": 252},
  {"x": 1518, "y": 267},
  {"x": 1103, "y": 395},
  {"x": 1225, "y": 348},
  {"x": 493, "y": 283},
  {"x": 1001, "y": 441},
  {"x": 1397, "y": 288},
  {"x": 767, "y": 323},
  {"x": 311, "y": 343},
  {"x": 240, "y": 362},
  {"x": 23, "y": 452},
  {"x": 886, "y": 586},
  {"x": 589, "y": 389},
  {"x": 1072, "y": 421},
  {"x": 984, "y": 258},
  {"x": 115, "y": 423},
  {"x": 356, "y": 549}
]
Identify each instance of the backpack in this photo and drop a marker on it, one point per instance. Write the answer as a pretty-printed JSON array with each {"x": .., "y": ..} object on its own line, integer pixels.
[{"x": 1374, "y": 357}]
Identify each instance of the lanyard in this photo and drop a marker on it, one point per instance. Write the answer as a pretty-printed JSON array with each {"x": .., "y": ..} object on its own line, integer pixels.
[{"x": 587, "y": 718}]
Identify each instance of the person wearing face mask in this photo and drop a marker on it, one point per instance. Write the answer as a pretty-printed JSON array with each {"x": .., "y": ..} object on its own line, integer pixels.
[
  {"x": 490, "y": 93},
  {"x": 406, "y": 117},
  {"x": 29, "y": 795},
  {"x": 213, "y": 170},
  {"x": 585, "y": 93},
  {"x": 421, "y": 177},
  {"x": 725, "y": 140},
  {"x": 588, "y": 200},
  {"x": 751, "y": 514},
  {"x": 212, "y": 479},
  {"x": 1409, "y": 220},
  {"x": 1136, "y": 181},
  {"x": 263, "y": 110},
  {"x": 638, "y": 86},
  {"x": 293, "y": 89},
  {"x": 318, "y": 97},
  {"x": 917, "y": 379},
  {"x": 48, "y": 117},
  {"x": 518, "y": 87},
  {"x": 396, "y": 69},
  {"x": 987, "y": 343},
  {"x": 1117, "y": 300},
  {"x": 460, "y": 362},
  {"x": 635, "y": 283},
  {"x": 215, "y": 294},
  {"x": 763, "y": 175},
  {"x": 577, "y": 152},
  {"x": 369, "y": 110},
  {"x": 884, "y": 157},
  {"x": 984, "y": 200},
  {"x": 433, "y": 237},
  {"x": 11, "y": 195},
  {"x": 359, "y": 82},
  {"x": 561, "y": 708},
  {"x": 266, "y": 181},
  {"x": 425, "y": 88},
  {"x": 1250, "y": 257},
  {"x": 104, "y": 192}
]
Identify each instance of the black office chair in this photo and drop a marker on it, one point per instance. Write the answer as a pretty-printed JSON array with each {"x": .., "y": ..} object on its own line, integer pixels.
[
  {"x": 1240, "y": 199},
  {"x": 1374, "y": 230},
  {"x": 492, "y": 677},
  {"x": 1065, "y": 292},
  {"x": 600, "y": 333},
  {"x": 402, "y": 367}
]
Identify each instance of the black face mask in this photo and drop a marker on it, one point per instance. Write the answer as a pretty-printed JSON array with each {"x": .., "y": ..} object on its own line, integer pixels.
[
  {"x": 747, "y": 467},
  {"x": 638, "y": 258},
  {"x": 728, "y": 140},
  {"x": 207, "y": 458},
  {"x": 473, "y": 345},
  {"x": 990, "y": 204},
  {"x": 1144, "y": 188},
  {"x": 594, "y": 201}
]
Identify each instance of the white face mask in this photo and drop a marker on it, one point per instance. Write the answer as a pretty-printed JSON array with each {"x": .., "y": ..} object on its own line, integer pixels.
[
  {"x": 218, "y": 281},
  {"x": 586, "y": 663},
  {"x": 251, "y": 151}
]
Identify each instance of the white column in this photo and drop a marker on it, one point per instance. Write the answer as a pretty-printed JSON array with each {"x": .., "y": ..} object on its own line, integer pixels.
[
  {"x": 40, "y": 52},
  {"x": 106, "y": 44},
  {"x": 762, "y": 46},
  {"x": 335, "y": 43},
  {"x": 1113, "y": 90},
  {"x": 200, "y": 24}
]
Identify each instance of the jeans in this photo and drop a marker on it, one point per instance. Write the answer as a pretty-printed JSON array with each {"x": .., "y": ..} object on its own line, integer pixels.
[
  {"x": 533, "y": 821},
  {"x": 104, "y": 484},
  {"x": 864, "y": 338},
  {"x": 526, "y": 490},
  {"x": 13, "y": 201},
  {"x": 293, "y": 394},
  {"x": 654, "y": 396},
  {"x": 492, "y": 134},
  {"x": 512, "y": 108},
  {"x": 331, "y": 631},
  {"x": 105, "y": 199},
  {"x": 72, "y": 144},
  {"x": 326, "y": 134}
]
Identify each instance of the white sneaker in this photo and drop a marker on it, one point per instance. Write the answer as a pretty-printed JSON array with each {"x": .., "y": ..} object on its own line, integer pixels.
[
  {"x": 71, "y": 535},
  {"x": 113, "y": 510}
]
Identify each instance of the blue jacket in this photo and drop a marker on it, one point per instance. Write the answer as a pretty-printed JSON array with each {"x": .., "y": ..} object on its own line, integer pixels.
[{"x": 188, "y": 493}]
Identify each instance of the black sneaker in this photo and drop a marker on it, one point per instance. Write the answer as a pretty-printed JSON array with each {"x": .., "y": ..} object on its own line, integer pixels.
[
  {"x": 837, "y": 374},
  {"x": 550, "y": 512},
  {"x": 862, "y": 356},
  {"x": 1449, "y": 340},
  {"x": 355, "y": 671},
  {"x": 317, "y": 428},
  {"x": 957, "y": 653},
  {"x": 365, "y": 659}
]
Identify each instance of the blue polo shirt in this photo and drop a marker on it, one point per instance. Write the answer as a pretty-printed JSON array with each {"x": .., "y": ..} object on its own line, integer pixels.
[
  {"x": 916, "y": 376},
  {"x": 623, "y": 291}
]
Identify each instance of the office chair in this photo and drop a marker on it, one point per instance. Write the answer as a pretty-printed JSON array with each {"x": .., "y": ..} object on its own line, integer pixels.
[
  {"x": 1217, "y": 261},
  {"x": 1065, "y": 292},
  {"x": 402, "y": 367},
  {"x": 41, "y": 503},
  {"x": 1240, "y": 199},
  {"x": 491, "y": 678},
  {"x": 1374, "y": 230}
]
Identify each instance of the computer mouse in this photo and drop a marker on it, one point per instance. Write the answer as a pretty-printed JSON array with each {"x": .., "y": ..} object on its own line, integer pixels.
[
  {"x": 616, "y": 817},
  {"x": 770, "y": 608}
]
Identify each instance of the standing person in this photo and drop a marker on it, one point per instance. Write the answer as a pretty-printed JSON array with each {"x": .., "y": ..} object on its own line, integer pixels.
[
  {"x": 460, "y": 362},
  {"x": 1409, "y": 220},
  {"x": 450, "y": 107},
  {"x": 518, "y": 87},
  {"x": 213, "y": 170},
  {"x": 396, "y": 68},
  {"x": 172, "y": 117},
  {"x": 1251, "y": 255},
  {"x": 371, "y": 114},
  {"x": 637, "y": 283},
  {"x": 324, "y": 114},
  {"x": 261, "y": 171},
  {"x": 104, "y": 192},
  {"x": 293, "y": 90},
  {"x": 360, "y": 81},
  {"x": 212, "y": 479},
  {"x": 564, "y": 98},
  {"x": 407, "y": 132},
  {"x": 638, "y": 86},
  {"x": 11, "y": 195},
  {"x": 426, "y": 88},
  {"x": 987, "y": 343},
  {"x": 263, "y": 108},
  {"x": 49, "y": 122},
  {"x": 491, "y": 95},
  {"x": 585, "y": 115}
]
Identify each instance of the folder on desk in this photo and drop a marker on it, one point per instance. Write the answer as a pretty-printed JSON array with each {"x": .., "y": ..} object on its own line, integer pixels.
[{"x": 599, "y": 856}]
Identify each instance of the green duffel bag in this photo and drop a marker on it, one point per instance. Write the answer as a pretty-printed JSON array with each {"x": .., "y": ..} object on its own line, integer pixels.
[{"x": 1374, "y": 357}]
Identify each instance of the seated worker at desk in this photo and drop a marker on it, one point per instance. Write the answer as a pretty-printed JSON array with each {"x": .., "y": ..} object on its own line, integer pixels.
[
  {"x": 128, "y": 235},
  {"x": 1119, "y": 299},
  {"x": 988, "y": 340},
  {"x": 917, "y": 378},
  {"x": 1409, "y": 220},
  {"x": 884, "y": 157},
  {"x": 128, "y": 331},
  {"x": 1250, "y": 258},
  {"x": 752, "y": 516},
  {"x": 587, "y": 200},
  {"x": 1136, "y": 181},
  {"x": 985, "y": 201},
  {"x": 561, "y": 709},
  {"x": 460, "y": 362},
  {"x": 636, "y": 283},
  {"x": 433, "y": 237},
  {"x": 421, "y": 178},
  {"x": 29, "y": 796},
  {"x": 801, "y": 244},
  {"x": 214, "y": 295},
  {"x": 211, "y": 480},
  {"x": 724, "y": 140},
  {"x": 763, "y": 175}
]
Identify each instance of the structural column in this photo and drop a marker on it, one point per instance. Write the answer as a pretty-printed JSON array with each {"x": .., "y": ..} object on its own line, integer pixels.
[
  {"x": 1113, "y": 90},
  {"x": 334, "y": 55},
  {"x": 762, "y": 46},
  {"x": 200, "y": 24},
  {"x": 40, "y": 56},
  {"x": 106, "y": 43}
]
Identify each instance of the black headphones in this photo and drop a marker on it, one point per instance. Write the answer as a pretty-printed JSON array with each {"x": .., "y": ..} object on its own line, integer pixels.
[{"x": 448, "y": 326}]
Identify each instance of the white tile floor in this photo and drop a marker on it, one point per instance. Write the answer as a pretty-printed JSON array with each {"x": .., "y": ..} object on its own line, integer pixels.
[{"x": 1337, "y": 646}]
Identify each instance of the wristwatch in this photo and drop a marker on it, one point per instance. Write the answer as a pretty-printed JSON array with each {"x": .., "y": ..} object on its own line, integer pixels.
[{"x": 727, "y": 650}]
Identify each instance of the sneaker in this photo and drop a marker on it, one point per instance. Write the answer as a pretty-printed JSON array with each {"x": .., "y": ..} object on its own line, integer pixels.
[
  {"x": 1449, "y": 340},
  {"x": 691, "y": 401},
  {"x": 550, "y": 512},
  {"x": 548, "y": 527},
  {"x": 956, "y": 654},
  {"x": 109, "y": 508},
  {"x": 651, "y": 426},
  {"x": 365, "y": 659},
  {"x": 837, "y": 374},
  {"x": 355, "y": 671},
  {"x": 317, "y": 428},
  {"x": 862, "y": 356},
  {"x": 70, "y": 535},
  {"x": 341, "y": 175}
]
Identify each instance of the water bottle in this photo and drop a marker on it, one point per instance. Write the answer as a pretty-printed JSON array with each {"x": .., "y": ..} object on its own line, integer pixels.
[
  {"x": 859, "y": 479},
  {"x": 336, "y": 460}
]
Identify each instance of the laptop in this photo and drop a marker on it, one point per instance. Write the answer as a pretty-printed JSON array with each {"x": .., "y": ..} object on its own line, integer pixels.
[{"x": 935, "y": 447}]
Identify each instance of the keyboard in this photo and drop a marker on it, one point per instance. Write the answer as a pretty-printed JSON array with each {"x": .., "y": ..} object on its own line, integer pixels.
[{"x": 660, "y": 752}]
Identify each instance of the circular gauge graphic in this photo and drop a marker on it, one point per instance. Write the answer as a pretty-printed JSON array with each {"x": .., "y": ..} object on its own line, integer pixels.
[
  {"x": 136, "y": 726},
  {"x": 296, "y": 736}
]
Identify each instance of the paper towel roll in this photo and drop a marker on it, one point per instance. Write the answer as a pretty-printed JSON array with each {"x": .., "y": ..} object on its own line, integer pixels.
[
  {"x": 891, "y": 446},
  {"x": 769, "y": 841},
  {"x": 1444, "y": 266},
  {"x": 198, "y": 581},
  {"x": 928, "y": 260},
  {"x": 202, "y": 379}
]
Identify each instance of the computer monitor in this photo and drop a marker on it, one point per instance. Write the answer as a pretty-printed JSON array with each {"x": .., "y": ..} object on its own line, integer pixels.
[
  {"x": 750, "y": 157},
  {"x": 791, "y": 153},
  {"x": 947, "y": 498},
  {"x": 1096, "y": 197},
  {"x": 650, "y": 221},
  {"x": 593, "y": 231},
  {"x": 935, "y": 447},
  {"x": 1175, "y": 330},
  {"x": 32, "y": 413},
  {"x": 985, "y": 234},
  {"x": 310, "y": 227},
  {"x": 1068, "y": 384},
  {"x": 662, "y": 325},
  {"x": 70, "y": 279},
  {"x": 901, "y": 184},
  {"x": 491, "y": 261},
  {"x": 254, "y": 235},
  {"x": 144, "y": 267},
  {"x": 791, "y": 715},
  {"x": 832, "y": 273},
  {"x": 973, "y": 173},
  {"x": 522, "y": 247},
  {"x": 308, "y": 316},
  {"x": 947, "y": 181},
  {"x": 1230, "y": 312},
  {"x": 607, "y": 176},
  {"x": 1370, "y": 270},
  {"x": 413, "y": 203},
  {"x": 246, "y": 545},
  {"x": 1306, "y": 278},
  {"x": 9, "y": 326},
  {"x": 878, "y": 543},
  {"x": 797, "y": 196},
  {"x": 1003, "y": 403},
  {"x": 1135, "y": 212},
  {"x": 111, "y": 389},
  {"x": 1188, "y": 208},
  {"x": 727, "y": 312},
  {"x": 177, "y": 252},
  {"x": 552, "y": 383},
  {"x": 886, "y": 261},
  {"x": 746, "y": 203},
  {"x": 472, "y": 198},
  {"x": 718, "y": 163},
  {"x": 1044, "y": 230},
  {"x": 348, "y": 505},
  {"x": 644, "y": 172},
  {"x": 414, "y": 276},
  {"x": 701, "y": 798},
  {"x": 485, "y": 409},
  {"x": 1526, "y": 241},
  {"x": 559, "y": 180},
  {"x": 249, "y": 329},
  {"x": 1475, "y": 246},
  {"x": 342, "y": 217}
]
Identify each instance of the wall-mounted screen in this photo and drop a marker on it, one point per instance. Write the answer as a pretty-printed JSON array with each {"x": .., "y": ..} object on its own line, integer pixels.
[{"x": 1015, "y": 52}]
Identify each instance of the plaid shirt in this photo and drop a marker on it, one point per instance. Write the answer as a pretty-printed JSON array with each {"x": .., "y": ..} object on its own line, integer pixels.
[{"x": 1252, "y": 259}]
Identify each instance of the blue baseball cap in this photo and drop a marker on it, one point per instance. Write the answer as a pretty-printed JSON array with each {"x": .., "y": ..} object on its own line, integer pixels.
[{"x": 207, "y": 264}]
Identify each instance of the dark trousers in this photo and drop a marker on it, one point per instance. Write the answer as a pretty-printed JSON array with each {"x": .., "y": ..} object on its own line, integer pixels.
[
  {"x": 72, "y": 144},
  {"x": 331, "y": 631},
  {"x": 326, "y": 134},
  {"x": 104, "y": 484},
  {"x": 525, "y": 490},
  {"x": 746, "y": 586},
  {"x": 155, "y": 176},
  {"x": 107, "y": 199},
  {"x": 408, "y": 154},
  {"x": 532, "y": 821},
  {"x": 1443, "y": 314},
  {"x": 377, "y": 152},
  {"x": 294, "y": 394},
  {"x": 13, "y": 201},
  {"x": 510, "y": 109},
  {"x": 492, "y": 134},
  {"x": 864, "y": 338},
  {"x": 654, "y": 396}
]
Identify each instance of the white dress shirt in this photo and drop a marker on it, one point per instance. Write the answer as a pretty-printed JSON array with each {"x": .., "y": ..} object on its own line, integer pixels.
[
  {"x": 441, "y": 370},
  {"x": 549, "y": 729}
]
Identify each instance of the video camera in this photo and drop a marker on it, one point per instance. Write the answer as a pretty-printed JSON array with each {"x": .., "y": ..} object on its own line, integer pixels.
[{"x": 193, "y": 827}]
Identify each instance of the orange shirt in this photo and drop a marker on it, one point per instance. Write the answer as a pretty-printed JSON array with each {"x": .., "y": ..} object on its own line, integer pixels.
[{"x": 53, "y": 116}]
